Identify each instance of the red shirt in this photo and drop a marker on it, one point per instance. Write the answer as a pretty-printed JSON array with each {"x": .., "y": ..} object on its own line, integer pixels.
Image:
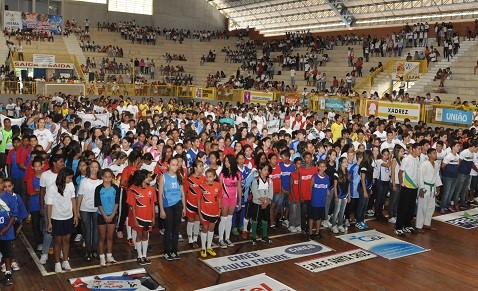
[
  {"x": 295, "y": 187},
  {"x": 127, "y": 172},
  {"x": 306, "y": 176},
  {"x": 275, "y": 177},
  {"x": 210, "y": 199}
]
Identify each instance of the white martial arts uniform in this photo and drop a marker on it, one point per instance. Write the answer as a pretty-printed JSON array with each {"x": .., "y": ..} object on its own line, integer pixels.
[{"x": 428, "y": 179}]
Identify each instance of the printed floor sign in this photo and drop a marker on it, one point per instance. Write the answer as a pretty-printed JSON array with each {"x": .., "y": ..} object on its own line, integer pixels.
[
  {"x": 382, "y": 244},
  {"x": 130, "y": 280},
  {"x": 465, "y": 219},
  {"x": 266, "y": 256},
  {"x": 336, "y": 260},
  {"x": 256, "y": 282}
]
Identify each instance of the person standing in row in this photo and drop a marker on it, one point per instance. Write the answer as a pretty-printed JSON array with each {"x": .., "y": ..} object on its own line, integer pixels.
[
  {"x": 209, "y": 209},
  {"x": 262, "y": 194}
]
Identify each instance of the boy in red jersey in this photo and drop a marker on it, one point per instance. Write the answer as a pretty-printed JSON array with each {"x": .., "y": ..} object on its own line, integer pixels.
[
  {"x": 306, "y": 174},
  {"x": 294, "y": 197}
]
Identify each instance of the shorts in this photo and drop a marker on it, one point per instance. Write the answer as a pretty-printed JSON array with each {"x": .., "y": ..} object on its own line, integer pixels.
[
  {"x": 6, "y": 248},
  {"x": 101, "y": 220},
  {"x": 191, "y": 210},
  {"x": 229, "y": 202},
  {"x": 62, "y": 227},
  {"x": 315, "y": 213},
  {"x": 144, "y": 226},
  {"x": 208, "y": 219},
  {"x": 257, "y": 213}
]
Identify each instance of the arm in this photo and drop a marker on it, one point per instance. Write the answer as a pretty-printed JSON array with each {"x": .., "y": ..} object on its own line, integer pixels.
[
  {"x": 74, "y": 208},
  {"x": 336, "y": 194},
  {"x": 162, "y": 214},
  {"x": 364, "y": 188},
  {"x": 49, "y": 210},
  {"x": 42, "y": 200},
  {"x": 392, "y": 174},
  {"x": 183, "y": 200}
]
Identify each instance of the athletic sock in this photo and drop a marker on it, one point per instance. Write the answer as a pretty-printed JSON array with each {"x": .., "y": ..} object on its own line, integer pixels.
[
  {"x": 144, "y": 245},
  {"x": 203, "y": 240},
  {"x": 195, "y": 231},
  {"x": 139, "y": 249},
  {"x": 265, "y": 224},
  {"x": 222, "y": 227},
  {"x": 134, "y": 234},
  {"x": 189, "y": 231},
  {"x": 210, "y": 236},
  {"x": 244, "y": 226},
  {"x": 228, "y": 226},
  {"x": 253, "y": 229},
  {"x": 128, "y": 230}
]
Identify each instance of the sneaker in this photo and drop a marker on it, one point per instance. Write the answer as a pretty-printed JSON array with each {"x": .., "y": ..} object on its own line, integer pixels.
[
  {"x": 285, "y": 223},
  {"x": 254, "y": 242},
  {"x": 244, "y": 235},
  {"x": 78, "y": 237},
  {"x": 161, "y": 231},
  {"x": 141, "y": 261},
  {"x": 94, "y": 255},
  {"x": 347, "y": 223},
  {"x": 412, "y": 230},
  {"x": 111, "y": 260},
  {"x": 66, "y": 266},
  {"x": 442, "y": 210},
  {"x": 273, "y": 226},
  {"x": 291, "y": 229},
  {"x": 4, "y": 268},
  {"x": 180, "y": 237},
  {"x": 203, "y": 253},
  {"x": 211, "y": 252},
  {"x": 119, "y": 234},
  {"x": 370, "y": 213},
  {"x": 298, "y": 229},
  {"x": 130, "y": 242},
  {"x": 168, "y": 257},
  {"x": 58, "y": 268},
  {"x": 392, "y": 220},
  {"x": 328, "y": 223},
  {"x": 39, "y": 247},
  {"x": 176, "y": 256},
  {"x": 476, "y": 199},
  {"x": 365, "y": 225},
  {"x": 229, "y": 243},
  {"x": 359, "y": 225},
  {"x": 342, "y": 229},
  {"x": 335, "y": 229},
  {"x": 324, "y": 224},
  {"x": 222, "y": 244},
  {"x": 266, "y": 240},
  {"x": 102, "y": 261},
  {"x": 15, "y": 266},
  {"x": 146, "y": 261},
  {"x": 400, "y": 232},
  {"x": 235, "y": 231},
  {"x": 8, "y": 281},
  {"x": 88, "y": 256},
  {"x": 43, "y": 259}
]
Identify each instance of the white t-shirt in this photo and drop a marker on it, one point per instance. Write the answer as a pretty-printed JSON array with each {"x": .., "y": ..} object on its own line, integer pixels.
[
  {"x": 48, "y": 179},
  {"x": 44, "y": 137},
  {"x": 382, "y": 135},
  {"x": 387, "y": 145},
  {"x": 62, "y": 208},
  {"x": 87, "y": 189}
]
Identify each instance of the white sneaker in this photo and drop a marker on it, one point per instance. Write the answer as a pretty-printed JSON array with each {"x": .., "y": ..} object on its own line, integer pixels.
[
  {"x": 229, "y": 243},
  {"x": 285, "y": 223},
  {"x": 324, "y": 224},
  {"x": 39, "y": 247},
  {"x": 335, "y": 229},
  {"x": 4, "y": 268},
  {"x": 329, "y": 224},
  {"x": 58, "y": 268},
  {"x": 476, "y": 199},
  {"x": 78, "y": 237},
  {"x": 43, "y": 259},
  {"x": 342, "y": 228},
  {"x": 291, "y": 229},
  {"x": 15, "y": 266},
  {"x": 180, "y": 237},
  {"x": 102, "y": 261},
  {"x": 222, "y": 244},
  {"x": 66, "y": 266},
  {"x": 392, "y": 220},
  {"x": 347, "y": 223},
  {"x": 298, "y": 229},
  {"x": 110, "y": 259}
]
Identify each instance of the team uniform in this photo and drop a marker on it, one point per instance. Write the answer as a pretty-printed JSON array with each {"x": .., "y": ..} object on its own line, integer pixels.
[
  {"x": 210, "y": 202},
  {"x": 193, "y": 187},
  {"x": 106, "y": 198},
  {"x": 142, "y": 200},
  {"x": 320, "y": 186}
]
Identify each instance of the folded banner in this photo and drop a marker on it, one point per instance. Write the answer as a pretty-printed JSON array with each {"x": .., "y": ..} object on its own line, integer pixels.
[
  {"x": 15, "y": 121},
  {"x": 336, "y": 260},
  {"x": 266, "y": 256},
  {"x": 257, "y": 282},
  {"x": 382, "y": 244},
  {"x": 130, "y": 280},
  {"x": 97, "y": 120},
  {"x": 465, "y": 219},
  {"x": 273, "y": 126}
]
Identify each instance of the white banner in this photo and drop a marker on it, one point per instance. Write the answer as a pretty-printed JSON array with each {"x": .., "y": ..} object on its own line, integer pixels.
[
  {"x": 45, "y": 60},
  {"x": 266, "y": 256},
  {"x": 97, "y": 120},
  {"x": 63, "y": 66},
  {"x": 260, "y": 282},
  {"x": 15, "y": 121},
  {"x": 383, "y": 109},
  {"x": 12, "y": 20},
  {"x": 336, "y": 260},
  {"x": 273, "y": 126}
]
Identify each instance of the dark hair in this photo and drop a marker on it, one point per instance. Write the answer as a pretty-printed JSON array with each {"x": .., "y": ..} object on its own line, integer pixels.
[
  {"x": 343, "y": 175},
  {"x": 106, "y": 170},
  {"x": 233, "y": 165},
  {"x": 138, "y": 177},
  {"x": 179, "y": 174},
  {"x": 61, "y": 179},
  {"x": 88, "y": 171},
  {"x": 53, "y": 159}
]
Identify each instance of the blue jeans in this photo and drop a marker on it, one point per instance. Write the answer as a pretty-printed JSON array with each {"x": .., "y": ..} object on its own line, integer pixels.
[
  {"x": 461, "y": 188},
  {"x": 47, "y": 238},
  {"x": 362, "y": 205},
  {"x": 449, "y": 186},
  {"x": 90, "y": 230},
  {"x": 339, "y": 212}
]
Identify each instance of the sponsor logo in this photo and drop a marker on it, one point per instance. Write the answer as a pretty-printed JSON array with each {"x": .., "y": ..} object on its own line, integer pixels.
[{"x": 304, "y": 249}]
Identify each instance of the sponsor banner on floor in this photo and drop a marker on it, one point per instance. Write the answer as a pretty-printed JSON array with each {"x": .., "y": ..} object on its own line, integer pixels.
[
  {"x": 130, "y": 280},
  {"x": 336, "y": 260},
  {"x": 257, "y": 282},
  {"x": 401, "y": 111},
  {"x": 465, "y": 219},
  {"x": 382, "y": 244},
  {"x": 266, "y": 256}
]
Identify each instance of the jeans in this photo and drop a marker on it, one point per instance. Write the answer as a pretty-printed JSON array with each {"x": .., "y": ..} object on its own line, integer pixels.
[
  {"x": 406, "y": 207},
  {"x": 47, "y": 237},
  {"x": 294, "y": 214},
  {"x": 382, "y": 189},
  {"x": 171, "y": 227},
  {"x": 36, "y": 229},
  {"x": 20, "y": 188},
  {"x": 461, "y": 189},
  {"x": 123, "y": 209},
  {"x": 329, "y": 201},
  {"x": 304, "y": 222},
  {"x": 90, "y": 230},
  {"x": 339, "y": 211},
  {"x": 449, "y": 186},
  {"x": 362, "y": 204},
  {"x": 393, "y": 203}
]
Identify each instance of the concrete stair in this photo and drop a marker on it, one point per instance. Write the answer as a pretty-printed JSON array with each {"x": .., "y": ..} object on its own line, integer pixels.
[
  {"x": 73, "y": 47},
  {"x": 3, "y": 48}
]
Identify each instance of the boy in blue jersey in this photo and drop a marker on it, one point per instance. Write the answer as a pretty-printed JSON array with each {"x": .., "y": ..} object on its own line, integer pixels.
[
  {"x": 286, "y": 167},
  {"x": 8, "y": 214},
  {"x": 320, "y": 192}
]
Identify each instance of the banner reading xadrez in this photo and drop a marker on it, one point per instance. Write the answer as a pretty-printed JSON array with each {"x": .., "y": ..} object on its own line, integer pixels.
[
  {"x": 266, "y": 256},
  {"x": 256, "y": 282},
  {"x": 401, "y": 111}
]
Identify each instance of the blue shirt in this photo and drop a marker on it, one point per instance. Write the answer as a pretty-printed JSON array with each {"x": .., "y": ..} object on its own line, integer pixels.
[
  {"x": 17, "y": 172},
  {"x": 319, "y": 190},
  {"x": 285, "y": 174},
  {"x": 22, "y": 210},
  {"x": 106, "y": 198},
  {"x": 172, "y": 190},
  {"x": 191, "y": 155},
  {"x": 354, "y": 179},
  {"x": 35, "y": 199},
  {"x": 11, "y": 210}
]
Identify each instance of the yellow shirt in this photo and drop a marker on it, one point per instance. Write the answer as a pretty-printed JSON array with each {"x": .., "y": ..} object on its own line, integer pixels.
[
  {"x": 159, "y": 108},
  {"x": 64, "y": 111},
  {"x": 143, "y": 108},
  {"x": 336, "y": 131}
]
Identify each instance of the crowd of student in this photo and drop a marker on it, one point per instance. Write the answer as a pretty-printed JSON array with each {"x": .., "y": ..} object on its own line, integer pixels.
[{"x": 220, "y": 169}]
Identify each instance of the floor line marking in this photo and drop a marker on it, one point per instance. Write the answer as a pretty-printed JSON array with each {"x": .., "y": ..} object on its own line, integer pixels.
[{"x": 33, "y": 254}]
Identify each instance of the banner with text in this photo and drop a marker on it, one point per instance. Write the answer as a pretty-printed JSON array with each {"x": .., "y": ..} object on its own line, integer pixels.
[
  {"x": 266, "y": 256},
  {"x": 382, "y": 244},
  {"x": 205, "y": 93},
  {"x": 130, "y": 280},
  {"x": 465, "y": 219},
  {"x": 453, "y": 116},
  {"x": 260, "y": 282},
  {"x": 63, "y": 66},
  {"x": 14, "y": 121},
  {"x": 12, "y": 20},
  {"x": 37, "y": 22},
  {"x": 289, "y": 98},
  {"x": 45, "y": 60},
  {"x": 336, "y": 260},
  {"x": 409, "y": 71},
  {"x": 97, "y": 120},
  {"x": 401, "y": 111},
  {"x": 258, "y": 97},
  {"x": 273, "y": 126},
  {"x": 338, "y": 105}
]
